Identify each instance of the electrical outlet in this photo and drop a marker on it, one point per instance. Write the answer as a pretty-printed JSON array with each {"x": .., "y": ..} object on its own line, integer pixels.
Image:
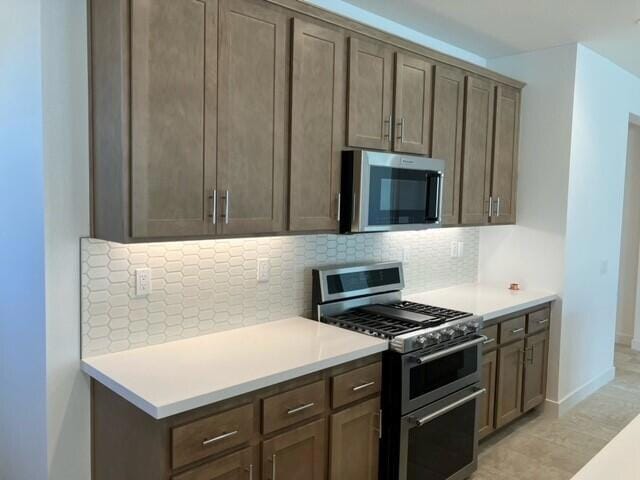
[
  {"x": 460, "y": 249},
  {"x": 264, "y": 270},
  {"x": 455, "y": 253},
  {"x": 143, "y": 282}
]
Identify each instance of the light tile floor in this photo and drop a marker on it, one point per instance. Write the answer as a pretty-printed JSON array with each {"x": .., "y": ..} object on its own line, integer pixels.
[{"x": 539, "y": 448}]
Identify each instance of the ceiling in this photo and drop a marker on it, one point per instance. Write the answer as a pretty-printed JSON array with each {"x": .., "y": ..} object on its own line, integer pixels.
[{"x": 495, "y": 28}]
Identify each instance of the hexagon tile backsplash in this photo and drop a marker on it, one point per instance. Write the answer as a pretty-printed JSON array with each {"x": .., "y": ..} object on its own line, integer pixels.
[{"x": 200, "y": 287}]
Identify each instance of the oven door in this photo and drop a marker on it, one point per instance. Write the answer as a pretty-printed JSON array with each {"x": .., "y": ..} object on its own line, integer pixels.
[
  {"x": 427, "y": 377},
  {"x": 400, "y": 192},
  {"x": 440, "y": 441}
]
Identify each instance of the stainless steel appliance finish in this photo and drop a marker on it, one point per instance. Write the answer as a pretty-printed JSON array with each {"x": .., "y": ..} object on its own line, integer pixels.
[
  {"x": 431, "y": 374},
  {"x": 387, "y": 191}
]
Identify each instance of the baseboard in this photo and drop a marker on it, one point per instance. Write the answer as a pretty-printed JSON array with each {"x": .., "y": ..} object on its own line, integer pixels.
[
  {"x": 625, "y": 339},
  {"x": 557, "y": 409}
]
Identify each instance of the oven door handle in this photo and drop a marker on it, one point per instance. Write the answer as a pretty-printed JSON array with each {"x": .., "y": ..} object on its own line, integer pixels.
[
  {"x": 449, "y": 351},
  {"x": 419, "y": 422}
]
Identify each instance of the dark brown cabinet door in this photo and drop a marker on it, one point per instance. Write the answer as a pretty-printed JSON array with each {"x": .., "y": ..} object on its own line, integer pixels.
[
  {"x": 298, "y": 454},
  {"x": 237, "y": 466},
  {"x": 448, "y": 116},
  {"x": 370, "y": 95},
  {"x": 317, "y": 126},
  {"x": 252, "y": 105},
  {"x": 535, "y": 371},
  {"x": 509, "y": 388},
  {"x": 505, "y": 154},
  {"x": 355, "y": 442},
  {"x": 476, "y": 162},
  {"x": 171, "y": 168},
  {"x": 486, "y": 423},
  {"x": 413, "y": 100}
]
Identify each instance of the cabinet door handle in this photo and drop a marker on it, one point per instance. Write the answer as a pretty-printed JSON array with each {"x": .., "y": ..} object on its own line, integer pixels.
[
  {"x": 250, "y": 470},
  {"x": 542, "y": 322},
  {"x": 401, "y": 125},
  {"x": 293, "y": 411},
  {"x": 490, "y": 207},
  {"x": 498, "y": 206},
  {"x": 219, "y": 437},
  {"x": 214, "y": 207},
  {"x": 273, "y": 467},
  {"x": 227, "y": 201},
  {"x": 363, "y": 386},
  {"x": 389, "y": 126},
  {"x": 339, "y": 205},
  {"x": 517, "y": 330}
]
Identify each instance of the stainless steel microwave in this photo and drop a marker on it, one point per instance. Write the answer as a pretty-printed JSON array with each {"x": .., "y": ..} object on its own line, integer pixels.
[{"x": 387, "y": 191}]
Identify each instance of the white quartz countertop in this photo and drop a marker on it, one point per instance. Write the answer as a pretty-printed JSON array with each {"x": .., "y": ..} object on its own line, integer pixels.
[
  {"x": 174, "y": 377},
  {"x": 618, "y": 460},
  {"x": 490, "y": 301}
]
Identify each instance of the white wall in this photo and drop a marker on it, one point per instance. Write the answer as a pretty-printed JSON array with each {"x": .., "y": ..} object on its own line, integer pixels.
[
  {"x": 532, "y": 252},
  {"x": 605, "y": 95},
  {"x": 66, "y": 166},
  {"x": 627, "y": 293},
  {"x": 351, "y": 11},
  {"x": 23, "y": 446}
]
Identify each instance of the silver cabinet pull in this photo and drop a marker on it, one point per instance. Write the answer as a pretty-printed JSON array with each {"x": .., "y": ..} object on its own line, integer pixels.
[
  {"x": 363, "y": 386},
  {"x": 339, "y": 205},
  {"x": 490, "y": 207},
  {"x": 498, "y": 206},
  {"x": 300, "y": 409},
  {"x": 449, "y": 351},
  {"x": 517, "y": 330},
  {"x": 401, "y": 125},
  {"x": 439, "y": 196},
  {"x": 273, "y": 467},
  {"x": 542, "y": 322},
  {"x": 250, "y": 470},
  {"x": 214, "y": 207},
  {"x": 389, "y": 126},
  {"x": 219, "y": 437},
  {"x": 488, "y": 341},
  {"x": 421, "y": 421},
  {"x": 227, "y": 201}
]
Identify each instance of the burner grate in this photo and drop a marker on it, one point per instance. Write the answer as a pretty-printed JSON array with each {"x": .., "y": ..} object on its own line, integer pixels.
[
  {"x": 442, "y": 313},
  {"x": 373, "y": 324}
]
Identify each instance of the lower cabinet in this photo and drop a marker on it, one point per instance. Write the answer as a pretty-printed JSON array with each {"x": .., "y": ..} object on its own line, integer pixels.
[
  {"x": 323, "y": 426},
  {"x": 296, "y": 455},
  {"x": 487, "y": 401},
  {"x": 535, "y": 370},
  {"x": 514, "y": 368},
  {"x": 355, "y": 438}
]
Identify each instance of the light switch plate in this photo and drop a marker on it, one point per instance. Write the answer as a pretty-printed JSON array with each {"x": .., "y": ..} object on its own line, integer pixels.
[
  {"x": 143, "y": 282},
  {"x": 264, "y": 270}
]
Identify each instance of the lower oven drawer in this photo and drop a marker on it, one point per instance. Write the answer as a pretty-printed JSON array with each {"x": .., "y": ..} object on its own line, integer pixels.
[{"x": 440, "y": 441}]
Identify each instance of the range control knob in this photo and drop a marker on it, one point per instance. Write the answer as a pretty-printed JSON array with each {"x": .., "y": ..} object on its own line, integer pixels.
[
  {"x": 449, "y": 332},
  {"x": 421, "y": 340},
  {"x": 435, "y": 337},
  {"x": 464, "y": 329}
]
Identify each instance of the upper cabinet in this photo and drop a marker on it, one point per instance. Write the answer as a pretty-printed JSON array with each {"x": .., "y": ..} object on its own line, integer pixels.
[
  {"x": 318, "y": 80},
  {"x": 448, "y": 117},
  {"x": 412, "y": 110},
  {"x": 478, "y": 143},
  {"x": 252, "y": 115},
  {"x": 505, "y": 154},
  {"x": 229, "y": 117},
  {"x": 370, "y": 116}
]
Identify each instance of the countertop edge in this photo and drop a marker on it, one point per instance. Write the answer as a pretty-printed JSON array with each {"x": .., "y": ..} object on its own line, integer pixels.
[
  {"x": 159, "y": 412},
  {"x": 521, "y": 306}
]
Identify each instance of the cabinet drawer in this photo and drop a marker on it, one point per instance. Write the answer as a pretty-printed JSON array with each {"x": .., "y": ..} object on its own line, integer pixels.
[
  {"x": 513, "y": 329},
  {"x": 293, "y": 406},
  {"x": 539, "y": 320},
  {"x": 356, "y": 384},
  {"x": 211, "y": 435},
  {"x": 237, "y": 465},
  {"x": 492, "y": 337}
]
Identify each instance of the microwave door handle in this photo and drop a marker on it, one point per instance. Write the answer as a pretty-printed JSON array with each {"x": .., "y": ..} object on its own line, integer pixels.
[
  {"x": 449, "y": 351},
  {"x": 419, "y": 422},
  {"x": 439, "y": 197}
]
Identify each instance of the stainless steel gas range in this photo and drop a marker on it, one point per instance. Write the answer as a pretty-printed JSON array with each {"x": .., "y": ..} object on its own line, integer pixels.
[{"x": 431, "y": 373}]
